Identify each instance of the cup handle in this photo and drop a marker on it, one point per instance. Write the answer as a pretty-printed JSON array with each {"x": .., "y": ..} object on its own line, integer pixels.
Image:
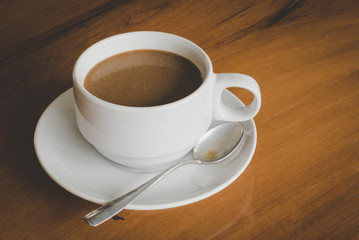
[{"x": 235, "y": 114}]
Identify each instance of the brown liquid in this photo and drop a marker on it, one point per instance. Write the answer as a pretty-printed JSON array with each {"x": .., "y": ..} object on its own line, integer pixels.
[{"x": 143, "y": 78}]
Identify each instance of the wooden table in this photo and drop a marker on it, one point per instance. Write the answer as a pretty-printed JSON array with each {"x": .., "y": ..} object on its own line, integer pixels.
[{"x": 303, "y": 181}]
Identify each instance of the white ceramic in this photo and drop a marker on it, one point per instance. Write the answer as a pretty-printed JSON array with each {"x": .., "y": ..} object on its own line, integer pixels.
[
  {"x": 152, "y": 137},
  {"x": 76, "y": 166}
]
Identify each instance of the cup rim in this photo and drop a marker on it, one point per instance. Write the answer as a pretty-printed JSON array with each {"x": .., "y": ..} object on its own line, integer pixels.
[{"x": 104, "y": 103}]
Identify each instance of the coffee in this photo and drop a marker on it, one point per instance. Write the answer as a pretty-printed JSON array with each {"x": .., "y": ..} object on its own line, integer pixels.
[{"x": 143, "y": 78}]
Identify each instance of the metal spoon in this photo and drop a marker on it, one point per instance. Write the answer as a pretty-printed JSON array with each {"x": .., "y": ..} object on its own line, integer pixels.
[{"x": 213, "y": 147}]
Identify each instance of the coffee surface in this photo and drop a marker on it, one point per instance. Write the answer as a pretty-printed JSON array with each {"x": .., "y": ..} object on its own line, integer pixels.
[{"x": 143, "y": 78}]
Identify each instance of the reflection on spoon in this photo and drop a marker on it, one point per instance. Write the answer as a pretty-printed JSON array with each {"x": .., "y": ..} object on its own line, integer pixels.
[{"x": 213, "y": 147}]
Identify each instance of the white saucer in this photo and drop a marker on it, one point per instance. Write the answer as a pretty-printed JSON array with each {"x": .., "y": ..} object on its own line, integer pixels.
[{"x": 77, "y": 167}]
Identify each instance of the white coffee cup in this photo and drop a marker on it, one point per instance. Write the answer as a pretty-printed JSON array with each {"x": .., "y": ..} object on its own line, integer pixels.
[{"x": 148, "y": 138}]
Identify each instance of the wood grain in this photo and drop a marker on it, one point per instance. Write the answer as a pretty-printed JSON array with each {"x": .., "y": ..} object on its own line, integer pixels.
[
  {"x": 303, "y": 180},
  {"x": 29, "y": 22}
]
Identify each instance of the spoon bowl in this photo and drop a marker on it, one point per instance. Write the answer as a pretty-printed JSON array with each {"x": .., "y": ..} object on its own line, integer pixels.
[
  {"x": 214, "y": 146},
  {"x": 219, "y": 142}
]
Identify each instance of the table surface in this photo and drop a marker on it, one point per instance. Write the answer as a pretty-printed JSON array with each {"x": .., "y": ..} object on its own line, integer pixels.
[{"x": 302, "y": 182}]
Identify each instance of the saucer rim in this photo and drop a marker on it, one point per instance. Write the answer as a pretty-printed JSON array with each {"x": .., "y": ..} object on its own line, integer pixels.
[{"x": 136, "y": 206}]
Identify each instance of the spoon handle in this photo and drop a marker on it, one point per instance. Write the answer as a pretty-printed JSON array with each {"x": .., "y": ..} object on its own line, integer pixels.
[{"x": 105, "y": 212}]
